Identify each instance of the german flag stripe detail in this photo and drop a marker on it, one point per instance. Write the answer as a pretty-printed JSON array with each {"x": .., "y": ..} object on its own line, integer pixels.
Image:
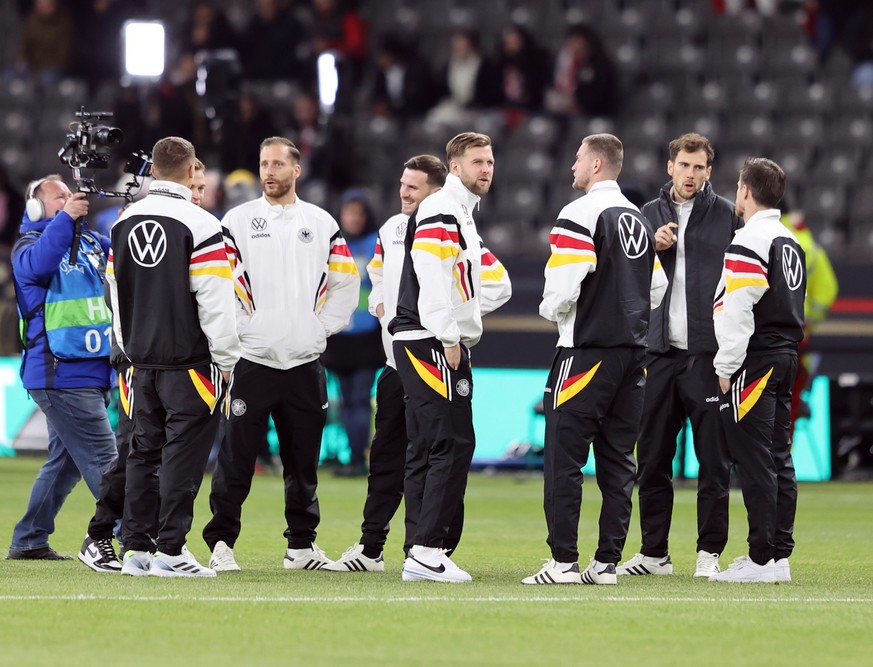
[
  {"x": 431, "y": 375},
  {"x": 750, "y": 395},
  {"x": 571, "y": 386},
  {"x": 205, "y": 388}
]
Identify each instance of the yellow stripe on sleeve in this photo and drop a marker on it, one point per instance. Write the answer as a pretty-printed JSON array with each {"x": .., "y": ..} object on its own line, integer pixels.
[
  {"x": 220, "y": 271},
  {"x": 561, "y": 259},
  {"x": 441, "y": 251},
  {"x": 733, "y": 284}
]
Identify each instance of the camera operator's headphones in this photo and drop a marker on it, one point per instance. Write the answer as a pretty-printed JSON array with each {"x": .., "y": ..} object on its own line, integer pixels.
[{"x": 34, "y": 207}]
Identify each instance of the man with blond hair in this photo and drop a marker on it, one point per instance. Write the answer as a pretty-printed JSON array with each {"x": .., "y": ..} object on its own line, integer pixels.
[{"x": 439, "y": 317}]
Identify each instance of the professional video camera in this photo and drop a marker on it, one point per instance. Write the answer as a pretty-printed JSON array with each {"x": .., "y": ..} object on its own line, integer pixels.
[{"x": 89, "y": 146}]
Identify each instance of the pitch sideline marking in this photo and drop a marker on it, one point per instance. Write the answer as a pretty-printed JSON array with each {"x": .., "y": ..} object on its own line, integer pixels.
[{"x": 303, "y": 599}]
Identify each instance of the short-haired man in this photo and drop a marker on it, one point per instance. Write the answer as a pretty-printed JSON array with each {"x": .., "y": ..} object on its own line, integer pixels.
[
  {"x": 758, "y": 314},
  {"x": 439, "y": 317},
  {"x": 65, "y": 366},
  {"x": 602, "y": 279},
  {"x": 198, "y": 183},
  {"x": 97, "y": 551},
  {"x": 693, "y": 227},
  {"x": 297, "y": 284},
  {"x": 422, "y": 176},
  {"x": 172, "y": 301}
]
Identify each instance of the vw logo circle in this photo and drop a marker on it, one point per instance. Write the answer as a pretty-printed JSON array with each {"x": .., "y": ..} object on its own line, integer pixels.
[
  {"x": 792, "y": 267},
  {"x": 147, "y": 242},
  {"x": 632, "y": 234},
  {"x": 259, "y": 224}
]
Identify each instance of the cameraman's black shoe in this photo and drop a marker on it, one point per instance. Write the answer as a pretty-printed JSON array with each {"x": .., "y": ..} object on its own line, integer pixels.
[{"x": 45, "y": 553}]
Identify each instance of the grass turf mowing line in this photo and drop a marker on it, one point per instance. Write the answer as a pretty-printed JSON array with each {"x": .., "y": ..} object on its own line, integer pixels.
[{"x": 264, "y": 615}]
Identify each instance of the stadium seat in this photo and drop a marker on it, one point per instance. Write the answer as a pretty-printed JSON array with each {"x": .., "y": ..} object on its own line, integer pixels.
[
  {"x": 535, "y": 132},
  {"x": 836, "y": 167},
  {"x": 761, "y": 97},
  {"x": 802, "y": 97},
  {"x": 825, "y": 204},
  {"x": 798, "y": 129},
  {"x": 849, "y": 129},
  {"x": 523, "y": 202}
]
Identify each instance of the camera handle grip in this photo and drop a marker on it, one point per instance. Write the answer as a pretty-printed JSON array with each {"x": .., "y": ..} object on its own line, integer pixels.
[{"x": 78, "y": 227}]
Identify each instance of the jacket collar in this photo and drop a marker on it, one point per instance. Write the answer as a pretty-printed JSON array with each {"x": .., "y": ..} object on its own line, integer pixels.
[
  {"x": 604, "y": 185},
  {"x": 772, "y": 213},
  {"x": 28, "y": 225},
  {"x": 702, "y": 198},
  {"x": 170, "y": 189},
  {"x": 454, "y": 185}
]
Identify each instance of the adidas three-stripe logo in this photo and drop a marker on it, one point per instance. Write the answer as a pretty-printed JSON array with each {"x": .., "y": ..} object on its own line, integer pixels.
[{"x": 638, "y": 569}]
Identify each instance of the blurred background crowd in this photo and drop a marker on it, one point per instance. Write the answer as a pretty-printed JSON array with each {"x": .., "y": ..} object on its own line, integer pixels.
[{"x": 787, "y": 79}]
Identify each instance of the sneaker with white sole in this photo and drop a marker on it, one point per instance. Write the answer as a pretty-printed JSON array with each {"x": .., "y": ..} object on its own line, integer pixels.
[
  {"x": 305, "y": 559},
  {"x": 183, "y": 565},
  {"x": 222, "y": 559},
  {"x": 707, "y": 564},
  {"x": 640, "y": 565},
  {"x": 555, "y": 573},
  {"x": 99, "y": 555},
  {"x": 783, "y": 570},
  {"x": 432, "y": 564},
  {"x": 747, "y": 571},
  {"x": 354, "y": 560},
  {"x": 137, "y": 563},
  {"x": 599, "y": 573}
]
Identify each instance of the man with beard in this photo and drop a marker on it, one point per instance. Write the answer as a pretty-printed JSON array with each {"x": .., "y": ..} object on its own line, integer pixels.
[
  {"x": 296, "y": 284},
  {"x": 439, "y": 317},
  {"x": 693, "y": 227}
]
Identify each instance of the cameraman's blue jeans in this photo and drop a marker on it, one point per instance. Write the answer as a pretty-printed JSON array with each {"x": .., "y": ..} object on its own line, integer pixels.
[{"x": 81, "y": 445}]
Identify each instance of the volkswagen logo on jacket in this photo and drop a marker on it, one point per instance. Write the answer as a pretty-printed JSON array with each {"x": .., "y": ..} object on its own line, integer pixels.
[
  {"x": 148, "y": 243},
  {"x": 632, "y": 233}
]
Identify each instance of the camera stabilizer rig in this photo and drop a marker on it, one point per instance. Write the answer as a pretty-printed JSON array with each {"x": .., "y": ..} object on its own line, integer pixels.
[{"x": 89, "y": 146}]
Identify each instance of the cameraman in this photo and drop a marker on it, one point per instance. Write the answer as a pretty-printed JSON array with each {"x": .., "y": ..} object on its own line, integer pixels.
[{"x": 65, "y": 366}]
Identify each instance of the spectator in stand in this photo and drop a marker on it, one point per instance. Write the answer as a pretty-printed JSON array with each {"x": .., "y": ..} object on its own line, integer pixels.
[
  {"x": 11, "y": 210},
  {"x": 858, "y": 42},
  {"x": 466, "y": 83},
  {"x": 248, "y": 126},
  {"x": 320, "y": 144},
  {"x": 355, "y": 354},
  {"x": 272, "y": 45},
  {"x": 822, "y": 288},
  {"x": 826, "y": 20},
  {"x": 404, "y": 83},
  {"x": 175, "y": 107},
  {"x": 46, "y": 43},
  {"x": 339, "y": 29},
  {"x": 520, "y": 66},
  {"x": 98, "y": 40},
  {"x": 207, "y": 29},
  {"x": 584, "y": 76}
]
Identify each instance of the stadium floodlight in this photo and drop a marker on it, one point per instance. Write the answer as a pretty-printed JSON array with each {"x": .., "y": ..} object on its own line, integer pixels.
[
  {"x": 328, "y": 81},
  {"x": 144, "y": 49}
]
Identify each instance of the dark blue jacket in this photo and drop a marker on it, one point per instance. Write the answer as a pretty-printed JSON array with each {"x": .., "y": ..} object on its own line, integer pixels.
[{"x": 35, "y": 259}]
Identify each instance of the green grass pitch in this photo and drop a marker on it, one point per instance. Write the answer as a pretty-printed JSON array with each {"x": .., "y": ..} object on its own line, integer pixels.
[{"x": 63, "y": 614}]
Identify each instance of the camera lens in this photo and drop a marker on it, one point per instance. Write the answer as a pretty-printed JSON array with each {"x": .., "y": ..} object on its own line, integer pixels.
[{"x": 107, "y": 136}]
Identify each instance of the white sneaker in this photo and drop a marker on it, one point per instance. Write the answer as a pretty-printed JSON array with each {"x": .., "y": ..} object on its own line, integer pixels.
[
  {"x": 99, "y": 555},
  {"x": 428, "y": 563},
  {"x": 745, "y": 571},
  {"x": 183, "y": 565},
  {"x": 707, "y": 564},
  {"x": 222, "y": 559},
  {"x": 555, "y": 573},
  {"x": 599, "y": 573},
  {"x": 783, "y": 570},
  {"x": 354, "y": 560},
  {"x": 305, "y": 559},
  {"x": 137, "y": 563},
  {"x": 640, "y": 565}
]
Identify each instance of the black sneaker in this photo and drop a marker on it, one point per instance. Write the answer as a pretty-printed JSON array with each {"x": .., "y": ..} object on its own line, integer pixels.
[
  {"x": 99, "y": 555},
  {"x": 44, "y": 553}
]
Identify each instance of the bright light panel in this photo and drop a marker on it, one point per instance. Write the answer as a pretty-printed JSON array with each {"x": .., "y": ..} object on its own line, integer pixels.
[
  {"x": 328, "y": 80},
  {"x": 144, "y": 48}
]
